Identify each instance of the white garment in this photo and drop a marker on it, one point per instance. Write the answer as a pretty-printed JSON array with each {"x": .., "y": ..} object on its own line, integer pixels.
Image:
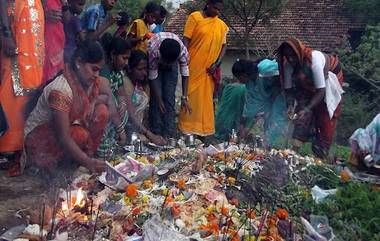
[
  {"x": 368, "y": 139},
  {"x": 333, "y": 94},
  {"x": 334, "y": 90},
  {"x": 318, "y": 61},
  {"x": 152, "y": 27}
]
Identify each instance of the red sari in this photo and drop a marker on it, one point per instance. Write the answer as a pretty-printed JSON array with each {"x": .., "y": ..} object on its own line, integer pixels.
[
  {"x": 54, "y": 43},
  {"x": 88, "y": 122},
  {"x": 317, "y": 124}
]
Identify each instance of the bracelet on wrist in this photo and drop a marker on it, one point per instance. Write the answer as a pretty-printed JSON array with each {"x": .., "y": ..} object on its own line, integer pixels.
[{"x": 218, "y": 62}]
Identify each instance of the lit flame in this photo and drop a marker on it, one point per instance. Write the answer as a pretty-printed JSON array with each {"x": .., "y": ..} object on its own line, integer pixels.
[
  {"x": 64, "y": 206},
  {"x": 80, "y": 199}
]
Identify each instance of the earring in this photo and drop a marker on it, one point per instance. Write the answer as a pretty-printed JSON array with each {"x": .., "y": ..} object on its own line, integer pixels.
[{"x": 78, "y": 67}]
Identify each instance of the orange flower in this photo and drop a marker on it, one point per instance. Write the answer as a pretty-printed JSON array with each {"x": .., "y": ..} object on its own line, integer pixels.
[
  {"x": 148, "y": 184},
  {"x": 235, "y": 236},
  {"x": 212, "y": 228},
  {"x": 176, "y": 211},
  {"x": 136, "y": 211},
  {"x": 231, "y": 180},
  {"x": 131, "y": 190},
  {"x": 282, "y": 213},
  {"x": 169, "y": 200},
  {"x": 251, "y": 214},
  {"x": 210, "y": 168},
  {"x": 344, "y": 176},
  {"x": 181, "y": 184},
  {"x": 225, "y": 211},
  {"x": 234, "y": 202},
  {"x": 211, "y": 218},
  {"x": 272, "y": 222}
]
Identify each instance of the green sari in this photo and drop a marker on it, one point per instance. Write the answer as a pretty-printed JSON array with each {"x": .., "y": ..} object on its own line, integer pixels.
[
  {"x": 108, "y": 144},
  {"x": 230, "y": 109}
]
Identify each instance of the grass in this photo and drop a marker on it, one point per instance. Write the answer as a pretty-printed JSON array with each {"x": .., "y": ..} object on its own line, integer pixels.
[{"x": 340, "y": 152}]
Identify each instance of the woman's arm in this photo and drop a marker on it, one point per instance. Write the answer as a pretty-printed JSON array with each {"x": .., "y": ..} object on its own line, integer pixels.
[
  {"x": 61, "y": 124},
  {"x": 132, "y": 114},
  {"x": 186, "y": 42},
  {"x": 122, "y": 96},
  {"x": 116, "y": 118},
  {"x": 218, "y": 61}
]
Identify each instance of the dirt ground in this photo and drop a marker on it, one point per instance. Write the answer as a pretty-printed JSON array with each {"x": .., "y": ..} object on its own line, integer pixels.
[
  {"x": 18, "y": 193},
  {"x": 21, "y": 197}
]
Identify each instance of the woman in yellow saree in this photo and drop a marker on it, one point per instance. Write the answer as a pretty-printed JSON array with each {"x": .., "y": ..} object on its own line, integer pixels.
[{"x": 205, "y": 38}]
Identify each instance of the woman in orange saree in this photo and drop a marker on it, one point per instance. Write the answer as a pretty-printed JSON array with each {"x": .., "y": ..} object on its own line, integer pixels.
[
  {"x": 21, "y": 64},
  {"x": 205, "y": 37}
]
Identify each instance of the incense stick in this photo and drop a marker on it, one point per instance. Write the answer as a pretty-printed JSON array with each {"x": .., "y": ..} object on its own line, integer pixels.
[
  {"x": 163, "y": 205},
  {"x": 261, "y": 225},
  {"x": 51, "y": 232},
  {"x": 42, "y": 220},
  {"x": 96, "y": 220}
]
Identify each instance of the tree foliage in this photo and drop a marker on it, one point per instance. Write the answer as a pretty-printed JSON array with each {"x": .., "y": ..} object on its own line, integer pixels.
[
  {"x": 242, "y": 16},
  {"x": 361, "y": 101},
  {"x": 365, "y": 10},
  {"x": 135, "y": 7},
  {"x": 363, "y": 63}
]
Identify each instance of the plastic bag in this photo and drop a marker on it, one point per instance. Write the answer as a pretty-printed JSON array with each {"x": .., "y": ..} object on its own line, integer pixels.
[
  {"x": 319, "y": 194},
  {"x": 155, "y": 229}
]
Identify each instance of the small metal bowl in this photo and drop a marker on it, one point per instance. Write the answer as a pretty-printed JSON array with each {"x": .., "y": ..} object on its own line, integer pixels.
[{"x": 189, "y": 140}]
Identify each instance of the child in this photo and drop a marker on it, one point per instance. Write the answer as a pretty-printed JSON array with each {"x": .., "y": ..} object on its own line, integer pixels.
[
  {"x": 160, "y": 22},
  {"x": 139, "y": 31},
  {"x": 73, "y": 28},
  {"x": 96, "y": 20},
  {"x": 232, "y": 102},
  {"x": 122, "y": 23}
]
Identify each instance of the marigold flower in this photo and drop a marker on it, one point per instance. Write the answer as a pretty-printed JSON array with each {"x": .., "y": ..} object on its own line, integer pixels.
[
  {"x": 225, "y": 211},
  {"x": 344, "y": 176},
  {"x": 181, "y": 184},
  {"x": 168, "y": 200},
  {"x": 136, "y": 211},
  {"x": 272, "y": 222},
  {"x": 176, "y": 211},
  {"x": 282, "y": 213},
  {"x": 231, "y": 180},
  {"x": 131, "y": 190},
  {"x": 234, "y": 202},
  {"x": 251, "y": 214},
  {"x": 148, "y": 184},
  {"x": 211, "y": 218}
]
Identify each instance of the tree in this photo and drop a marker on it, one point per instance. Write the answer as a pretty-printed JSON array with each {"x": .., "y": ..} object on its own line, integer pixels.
[
  {"x": 364, "y": 63},
  {"x": 365, "y": 10},
  {"x": 135, "y": 7},
  {"x": 248, "y": 13},
  {"x": 242, "y": 16}
]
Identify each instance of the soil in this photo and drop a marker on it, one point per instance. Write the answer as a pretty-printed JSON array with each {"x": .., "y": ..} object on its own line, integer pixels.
[
  {"x": 18, "y": 193},
  {"x": 21, "y": 197}
]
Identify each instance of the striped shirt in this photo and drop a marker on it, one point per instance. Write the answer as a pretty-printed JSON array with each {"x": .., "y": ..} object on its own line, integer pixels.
[{"x": 154, "y": 54}]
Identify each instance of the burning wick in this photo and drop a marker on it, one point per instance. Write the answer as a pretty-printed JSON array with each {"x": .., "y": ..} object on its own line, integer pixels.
[{"x": 80, "y": 199}]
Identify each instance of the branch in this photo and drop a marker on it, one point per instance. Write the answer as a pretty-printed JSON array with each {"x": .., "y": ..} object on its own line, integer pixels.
[{"x": 354, "y": 71}]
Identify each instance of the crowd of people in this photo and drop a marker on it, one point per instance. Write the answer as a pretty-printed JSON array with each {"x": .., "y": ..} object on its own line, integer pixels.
[{"x": 71, "y": 88}]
